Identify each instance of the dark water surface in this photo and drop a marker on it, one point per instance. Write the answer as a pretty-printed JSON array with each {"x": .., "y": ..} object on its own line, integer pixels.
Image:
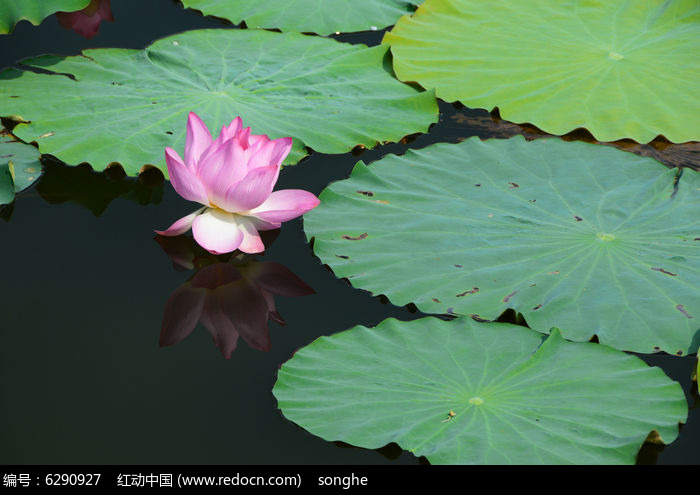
[{"x": 85, "y": 285}]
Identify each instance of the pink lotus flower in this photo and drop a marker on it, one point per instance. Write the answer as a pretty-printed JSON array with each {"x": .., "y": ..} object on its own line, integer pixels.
[
  {"x": 232, "y": 177},
  {"x": 86, "y": 22}
]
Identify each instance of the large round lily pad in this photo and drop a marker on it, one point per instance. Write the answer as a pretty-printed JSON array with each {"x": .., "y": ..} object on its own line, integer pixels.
[
  {"x": 317, "y": 16},
  {"x": 19, "y": 168},
  {"x": 619, "y": 69},
  {"x": 463, "y": 392},
  {"x": 586, "y": 238},
  {"x": 126, "y": 106},
  {"x": 13, "y": 11}
]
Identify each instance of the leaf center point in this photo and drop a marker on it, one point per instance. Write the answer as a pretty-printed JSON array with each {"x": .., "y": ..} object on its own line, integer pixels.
[
  {"x": 602, "y": 236},
  {"x": 615, "y": 56},
  {"x": 476, "y": 401}
]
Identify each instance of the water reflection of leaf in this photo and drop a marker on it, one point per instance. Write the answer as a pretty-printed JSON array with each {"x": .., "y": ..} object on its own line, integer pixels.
[
  {"x": 95, "y": 190},
  {"x": 483, "y": 123},
  {"x": 232, "y": 299}
]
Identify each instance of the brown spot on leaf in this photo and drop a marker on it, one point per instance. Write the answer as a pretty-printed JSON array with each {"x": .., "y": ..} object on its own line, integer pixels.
[
  {"x": 537, "y": 307},
  {"x": 664, "y": 271},
  {"x": 381, "y": 201},
  {"x": 478, "y": 318},
  {"x": 358, "y": 238},
  {"x": 680, "y": 308},
  {"x": 435, "y": 299},
  {"x": 477, "y": 185},
  {"x": 657, "y": 348},
  {"x": 14, "y": 96},
  {"x": 577, "y": 218},
  {"x": 679, "y": 352},
  {"x": 473, "y": 290},
  {"x": 169, "y": 132},
  {"x": 342, "y": 256},
  {"x": 366, "y": 193},
  {"x": 458, "y": 266},
  {"x": 555, "y": 272},
  {"x": 513, "y": 185},
  {"x": 507, "y": 298}
]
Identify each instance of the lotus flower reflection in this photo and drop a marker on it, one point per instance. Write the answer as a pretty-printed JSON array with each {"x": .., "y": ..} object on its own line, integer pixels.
[
  {"x": 231, "y": 301},
  {"x": 232, "y": 177},
  {"x": 86, "y": 22}
]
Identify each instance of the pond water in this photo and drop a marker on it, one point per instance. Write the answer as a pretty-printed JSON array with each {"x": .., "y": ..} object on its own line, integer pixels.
[{"x": 85, "y": 287}]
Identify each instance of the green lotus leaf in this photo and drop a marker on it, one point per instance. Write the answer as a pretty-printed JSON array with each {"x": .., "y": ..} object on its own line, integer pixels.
[
  {"x": 620, "y": 69},
  {"x": 126, "y": 106},
  {"x": 461, "y": 392},
  {"x": 587, "y": 238},
  {"x": 317, "y": 16},
  {"x": 19, "y": 168},
  {"x": 34, "y": 11}
]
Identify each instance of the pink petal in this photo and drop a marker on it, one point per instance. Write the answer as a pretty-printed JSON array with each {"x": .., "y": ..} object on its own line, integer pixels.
[
  {"x": 181, "y": 226},
  {"x": 217, "y": 231},
  {"x": 185, "y": 182},
  {"x": 226, "y": 134},
  {"x": 271, "y": 153},
  {"x": 232, "y": 130},
  {"x": 244, "y": 137},
  {"x": 251, "y": 243},
  {"x": 222, "y": 169},
  {"x": 182, "y": 311},
  {"x": 263, "y": 225},
  {"x": 197, "y": 142},
  {"x": 252, "y": 191},
  {"x": 257, "y": 141},
  {"x": 285, "y": 205}
]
